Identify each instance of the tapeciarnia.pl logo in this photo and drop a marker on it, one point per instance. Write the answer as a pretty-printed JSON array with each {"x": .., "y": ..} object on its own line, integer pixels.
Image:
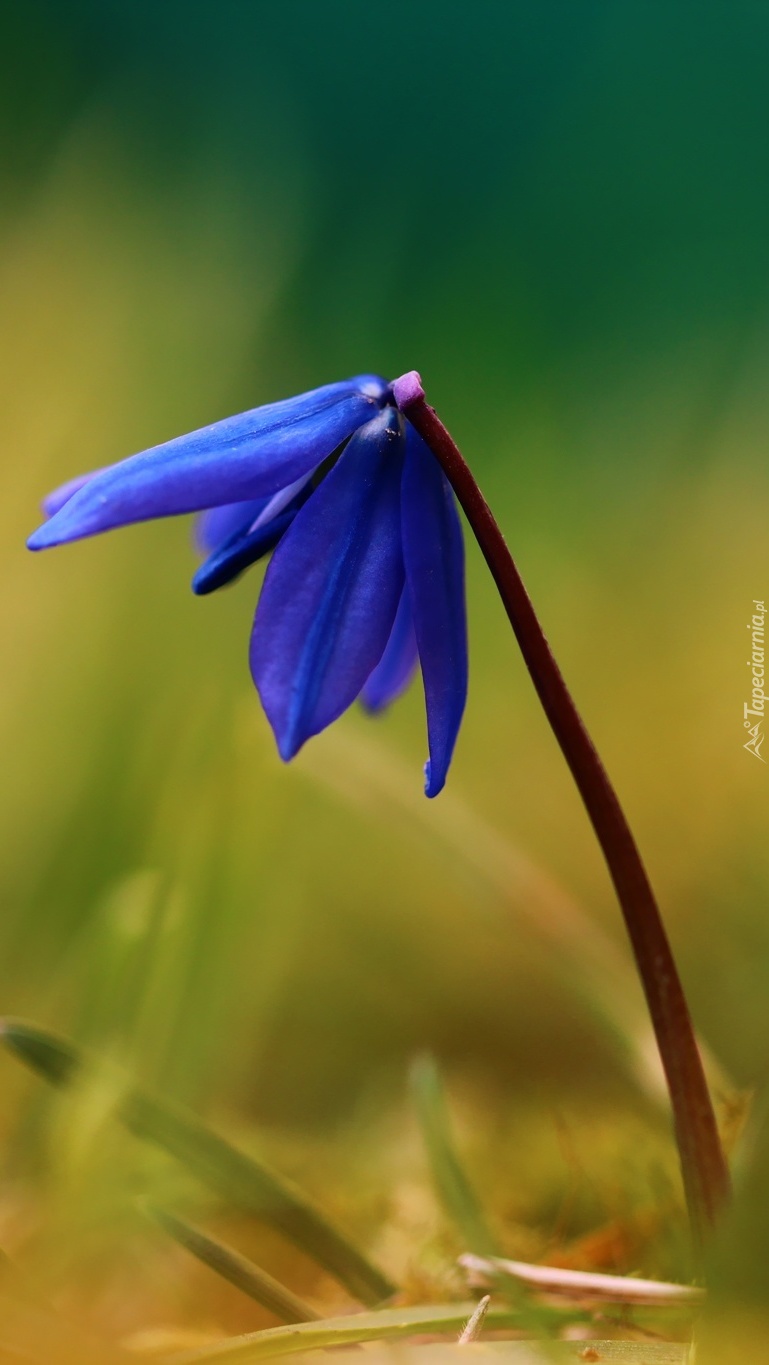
[{"x": 755, "y": 707}]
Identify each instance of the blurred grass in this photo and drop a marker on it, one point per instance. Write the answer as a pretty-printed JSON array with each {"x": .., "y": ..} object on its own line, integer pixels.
[{"x": 557, "y": 218}]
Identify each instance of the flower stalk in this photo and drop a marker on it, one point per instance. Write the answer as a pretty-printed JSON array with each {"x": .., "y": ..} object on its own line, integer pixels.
[{"x": 703, "y": 1166}]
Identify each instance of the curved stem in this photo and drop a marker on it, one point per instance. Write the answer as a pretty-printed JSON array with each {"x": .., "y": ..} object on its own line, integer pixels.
[{"x": 704, "y": 1170}]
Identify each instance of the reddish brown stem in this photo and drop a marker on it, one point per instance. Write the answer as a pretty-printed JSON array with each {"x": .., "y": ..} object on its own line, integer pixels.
[{"x": 704, "y": 1169}]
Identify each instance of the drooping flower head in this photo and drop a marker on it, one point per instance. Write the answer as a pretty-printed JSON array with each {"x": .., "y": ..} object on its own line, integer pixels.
[{"x": 366, "y": 579}]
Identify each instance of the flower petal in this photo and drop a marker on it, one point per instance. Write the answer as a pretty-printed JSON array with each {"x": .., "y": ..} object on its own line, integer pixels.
[
  {"x": 245, "y": 547},
  {"x": 332, "y": 589},
  {"x": 396, "y": 667},
  {"x": 241, "y": 458},
  {"x": 281, "y": 500},
  {"x": 56, "y": 500},
  {"x": 216, "y": 526},
  {"x": 433, "y": 552}
]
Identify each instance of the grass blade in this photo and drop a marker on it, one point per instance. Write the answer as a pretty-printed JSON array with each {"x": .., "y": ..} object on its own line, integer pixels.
[
  {"x": 348, "y": 1331},
  {"x": 474, "y": 1325},
  {"x": 235, "y": 1268},
  {"x": 238, "y": 1178},
  {"x": 391, "y": 1323},
  {"x": 451, "y": 1183}
]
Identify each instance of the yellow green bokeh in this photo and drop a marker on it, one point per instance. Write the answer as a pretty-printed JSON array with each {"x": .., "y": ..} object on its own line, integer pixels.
[{"x": 559, "y": 215}]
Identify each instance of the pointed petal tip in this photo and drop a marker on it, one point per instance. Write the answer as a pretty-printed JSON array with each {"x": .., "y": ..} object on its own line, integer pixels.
[
  {"x": 201, "y": 583},
  {"x": 433, "y": 784},
  {"x": 40, "y": 539},
  {"x": 289, "y": 746},
  {"x": 287, "y": 741},
  {"x": 371, "y": 707}
]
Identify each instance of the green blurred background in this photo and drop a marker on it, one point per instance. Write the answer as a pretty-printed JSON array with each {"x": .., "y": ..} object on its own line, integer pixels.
[{"x": 560, "y": 215}]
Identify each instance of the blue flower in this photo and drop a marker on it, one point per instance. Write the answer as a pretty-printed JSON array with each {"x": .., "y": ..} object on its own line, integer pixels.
[{"x": 367, "y": 576}]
